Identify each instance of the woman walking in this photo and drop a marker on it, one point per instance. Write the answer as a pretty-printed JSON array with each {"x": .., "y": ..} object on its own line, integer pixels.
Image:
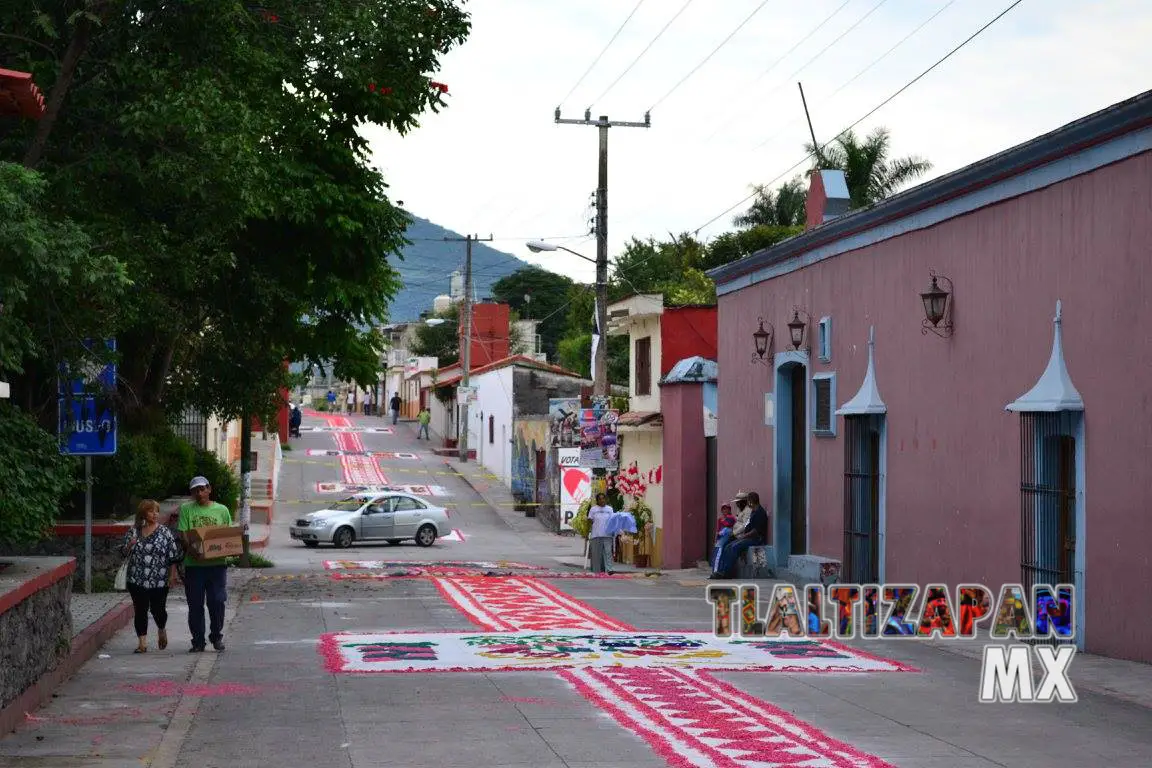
[
  {"x": 152, "y": 554},
  {"x": 600, "y": 548}
]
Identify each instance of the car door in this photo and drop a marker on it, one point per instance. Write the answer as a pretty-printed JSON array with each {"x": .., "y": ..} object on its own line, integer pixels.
[
  {"x": 379, "y": 519},
  {"x": 409, "y": 513}
]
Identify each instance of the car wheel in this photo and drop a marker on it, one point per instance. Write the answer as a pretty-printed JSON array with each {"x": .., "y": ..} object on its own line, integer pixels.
[
  {"x": 394, "y": 542},
  {"x": 426, "y": 535},
  {"x": 343, "y": 538},
  {"x": 311, "y": 544}
]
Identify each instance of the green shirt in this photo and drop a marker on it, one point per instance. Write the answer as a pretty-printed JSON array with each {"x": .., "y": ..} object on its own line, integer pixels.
[
  {"x": 192, "y": 515},
  {"x": 425, "y": 417}
]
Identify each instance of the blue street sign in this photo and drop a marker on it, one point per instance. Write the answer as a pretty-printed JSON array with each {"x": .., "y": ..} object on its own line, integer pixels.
[{"x": 86, "y": 417}]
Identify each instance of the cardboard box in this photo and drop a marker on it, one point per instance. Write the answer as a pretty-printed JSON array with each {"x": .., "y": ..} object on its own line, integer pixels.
[{"x": 211, "y": 542}]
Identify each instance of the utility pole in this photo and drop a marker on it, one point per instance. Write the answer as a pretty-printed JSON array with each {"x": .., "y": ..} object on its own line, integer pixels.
[
  {"x": 245, "y": 488},
  {"x": 600, "y": 379},
  {"x": 466, "y": 337}
]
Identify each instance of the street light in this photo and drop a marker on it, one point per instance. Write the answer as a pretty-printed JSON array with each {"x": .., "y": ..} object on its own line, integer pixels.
[
  {"x": 600, "y": 380},
  {"x": 536, "y": 246}
]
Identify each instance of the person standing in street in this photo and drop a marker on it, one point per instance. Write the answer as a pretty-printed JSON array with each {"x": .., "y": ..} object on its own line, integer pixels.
[
  {"x": 425, "y": 418},
  {"x": 205, "y": 581},
  {"x": 152, "y": 552},
  {"x": 600, "y": 546},
  {"x": 394, "y": 405},
  {"x": 351, "y": 402}
]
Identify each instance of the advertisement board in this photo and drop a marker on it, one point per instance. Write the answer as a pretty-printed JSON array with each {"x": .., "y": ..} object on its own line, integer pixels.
[
  {"x": 575, "y": 485},
  {"x": 599, "y": 447}
]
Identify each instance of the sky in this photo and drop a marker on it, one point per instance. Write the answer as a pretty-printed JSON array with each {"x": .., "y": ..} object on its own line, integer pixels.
[{"x": 494, "y": 163}]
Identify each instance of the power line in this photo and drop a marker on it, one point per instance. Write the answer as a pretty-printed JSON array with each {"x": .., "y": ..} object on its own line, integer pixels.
[
  {"x": 642, "y": 53},
  {"x": 871, "y": 112},
  {"x": 790, "y": 51},
  {"x": 715, "y": 50},
  {"x": 601, "y": 54},
  {"x": 823, "y": 51},
  {"x": 862, "y": 72}
]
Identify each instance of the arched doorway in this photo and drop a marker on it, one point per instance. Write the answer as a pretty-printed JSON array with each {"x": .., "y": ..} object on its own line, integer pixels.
[{"x": 790, "y": 468}]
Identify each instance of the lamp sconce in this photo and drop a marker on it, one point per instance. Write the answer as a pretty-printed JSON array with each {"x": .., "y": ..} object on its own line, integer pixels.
[
  {"x": 796, "y": 328},
  {"x": 763, "y": 341},
  {"x": 937, "y": 307}
]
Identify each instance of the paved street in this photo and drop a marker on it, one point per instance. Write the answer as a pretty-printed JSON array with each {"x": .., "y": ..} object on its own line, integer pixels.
[{"x": 345, "y": 664}]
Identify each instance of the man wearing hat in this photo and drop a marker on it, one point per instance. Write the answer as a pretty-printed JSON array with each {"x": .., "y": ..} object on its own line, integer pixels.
[
  {"x": 743, "y": 512},
  {"x": 205, "y": 581}
]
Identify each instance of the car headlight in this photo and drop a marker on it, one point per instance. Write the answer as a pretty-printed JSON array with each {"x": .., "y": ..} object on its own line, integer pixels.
[{"x": 319, "y": 524}]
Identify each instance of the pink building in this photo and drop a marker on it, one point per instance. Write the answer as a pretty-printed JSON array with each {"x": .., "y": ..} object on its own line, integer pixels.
[{"x": 1002, "y": 437}]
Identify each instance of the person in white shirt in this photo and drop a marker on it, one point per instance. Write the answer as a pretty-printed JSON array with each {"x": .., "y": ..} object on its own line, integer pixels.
[{"x": 600, "y": 544}]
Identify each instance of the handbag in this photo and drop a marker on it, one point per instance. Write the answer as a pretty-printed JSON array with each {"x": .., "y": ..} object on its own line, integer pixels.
[{"x": 121, "y": 583}]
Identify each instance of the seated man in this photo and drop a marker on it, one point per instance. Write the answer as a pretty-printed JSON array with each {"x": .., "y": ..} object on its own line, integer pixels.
[{"x": 755, "y": 534}]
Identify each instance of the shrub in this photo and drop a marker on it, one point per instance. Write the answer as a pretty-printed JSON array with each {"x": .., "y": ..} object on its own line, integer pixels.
[{"x": 33, "y": 476}]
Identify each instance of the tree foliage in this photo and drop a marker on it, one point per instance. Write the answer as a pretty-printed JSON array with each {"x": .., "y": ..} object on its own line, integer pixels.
[
  {"x": 442, "y": 340},
  {"x": 547, "y": 292},
  {"x": 33, "y": 476},
  {"x": 870, "y": 171},
  {"x": 783, "y": 207}
]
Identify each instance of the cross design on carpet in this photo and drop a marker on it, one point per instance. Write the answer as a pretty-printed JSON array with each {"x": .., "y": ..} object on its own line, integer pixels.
[{"x": 688, "y": 716}]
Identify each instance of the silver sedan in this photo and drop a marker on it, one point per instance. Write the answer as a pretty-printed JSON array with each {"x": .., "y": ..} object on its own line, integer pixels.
[{"x": 391, "y": 516}]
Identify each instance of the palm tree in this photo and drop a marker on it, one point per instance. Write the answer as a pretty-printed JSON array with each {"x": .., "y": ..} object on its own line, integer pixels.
[
  {"x": 781, "y": 208},
  {"x": 871, "y": 175}
]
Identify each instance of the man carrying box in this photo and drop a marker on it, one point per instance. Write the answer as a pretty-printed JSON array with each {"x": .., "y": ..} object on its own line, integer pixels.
[{"x": 205, "y": 579}]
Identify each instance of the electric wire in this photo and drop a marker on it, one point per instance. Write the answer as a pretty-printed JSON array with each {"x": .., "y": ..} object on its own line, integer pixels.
[
  {"x": 871, "y": 112},
  {"x": 715, "y": 50},
  {"x": 602, "y": 52},
  {"x": 862, "y": 72},
  {"x": 642, "y": 53},
  {"x": 812, "y": 60},
  {"x": 776, "y": 63}
]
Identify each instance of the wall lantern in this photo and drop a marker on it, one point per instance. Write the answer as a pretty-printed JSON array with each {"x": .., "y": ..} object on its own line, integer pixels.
[
  {"x": 763, "y": 340},
  {"x": 937, "y": 308},
  {"x": 796, "y": 327}
]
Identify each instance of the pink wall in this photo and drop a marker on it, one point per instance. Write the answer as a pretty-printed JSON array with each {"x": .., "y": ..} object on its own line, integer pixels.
[
  {"x": 953, "y": 497},
  {"x": 684, "y": 537},
  {"x": 686, "y": 332}
]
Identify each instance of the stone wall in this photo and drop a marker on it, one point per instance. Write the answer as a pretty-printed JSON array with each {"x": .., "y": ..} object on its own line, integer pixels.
[
  {"x": 106, "y": 557},
  {"x": 35, "y": 636}
]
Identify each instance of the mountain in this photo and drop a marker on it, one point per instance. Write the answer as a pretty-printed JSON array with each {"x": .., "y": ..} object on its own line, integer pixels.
[{"x": 429, "y": 261}]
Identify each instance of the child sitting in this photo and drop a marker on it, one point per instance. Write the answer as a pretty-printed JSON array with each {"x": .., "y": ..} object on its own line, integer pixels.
[{"x": 724, "y": 526}]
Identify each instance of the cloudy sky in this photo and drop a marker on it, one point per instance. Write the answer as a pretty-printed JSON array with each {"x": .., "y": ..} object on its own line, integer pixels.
[{"x": 495, "y": 163}]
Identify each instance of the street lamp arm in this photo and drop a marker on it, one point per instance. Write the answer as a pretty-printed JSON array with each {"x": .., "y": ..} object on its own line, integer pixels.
[{"x": 574, "y": 253}]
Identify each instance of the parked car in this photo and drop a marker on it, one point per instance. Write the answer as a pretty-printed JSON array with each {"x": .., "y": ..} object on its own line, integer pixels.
[{"x": 391, "y": 516}]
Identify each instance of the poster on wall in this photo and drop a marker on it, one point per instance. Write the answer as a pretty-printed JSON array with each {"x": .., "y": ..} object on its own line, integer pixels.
[
  {"x": 599, "y": 448},
  {"x": 564, "y": 422},
  {"x": 575, "y": 485}
]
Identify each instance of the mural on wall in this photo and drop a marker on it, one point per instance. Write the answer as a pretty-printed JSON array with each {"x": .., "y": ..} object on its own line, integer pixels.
[{"x": 530, "y": 436}]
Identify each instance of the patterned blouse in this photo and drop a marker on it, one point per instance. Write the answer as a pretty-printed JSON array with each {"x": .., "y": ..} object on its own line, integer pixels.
[{"x": 150, "y": 560}]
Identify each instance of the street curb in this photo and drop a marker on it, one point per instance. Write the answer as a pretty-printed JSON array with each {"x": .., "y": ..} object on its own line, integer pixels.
[
  {"x": 84, "y": 647},
  {"x": 482, "y": 495}
]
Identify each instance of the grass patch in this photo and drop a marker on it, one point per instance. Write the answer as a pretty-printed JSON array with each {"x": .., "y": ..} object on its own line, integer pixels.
[{"x": 255, "y": 560}]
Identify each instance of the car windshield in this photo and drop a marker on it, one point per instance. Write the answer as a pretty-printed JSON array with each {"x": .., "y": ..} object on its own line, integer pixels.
[{"x": 348, "y": 503}]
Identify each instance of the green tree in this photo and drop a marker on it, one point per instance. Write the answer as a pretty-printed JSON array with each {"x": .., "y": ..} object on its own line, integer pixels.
[
  {"x": 34, "y": 477},
  {"x": 870, "y": 172},
  {"x": 783, "y": 207},
  {"x": 733, "y": 246},
  {"x": 441, "y": 340},
  {"x": 216, "y": 154},
  {"x": 537, "y": 294}
]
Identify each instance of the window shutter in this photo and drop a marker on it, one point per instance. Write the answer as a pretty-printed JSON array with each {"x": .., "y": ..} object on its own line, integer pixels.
[{"x": 823, "y": 405}]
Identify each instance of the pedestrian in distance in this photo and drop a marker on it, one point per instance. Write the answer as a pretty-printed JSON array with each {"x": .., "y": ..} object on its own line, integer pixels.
[
  {"x": 600, "y": 545},
  {"x": 425, "y": 418},
  {"x": 394, "y": 404},
  {"x": 152, "y": 552},
  {"x": 205, "y": 581},
  {"x": 724, "y": 526}
]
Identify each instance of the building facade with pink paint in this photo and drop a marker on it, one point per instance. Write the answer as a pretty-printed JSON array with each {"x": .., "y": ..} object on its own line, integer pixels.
[{"x": 1004, "y": 439}]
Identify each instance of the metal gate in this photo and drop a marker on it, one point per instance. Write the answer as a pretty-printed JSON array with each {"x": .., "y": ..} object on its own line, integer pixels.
[
  {"x": 862, "y": 499},
  {"x": 193, "y": 427},
  {"x": 1047, "y": 499}
]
